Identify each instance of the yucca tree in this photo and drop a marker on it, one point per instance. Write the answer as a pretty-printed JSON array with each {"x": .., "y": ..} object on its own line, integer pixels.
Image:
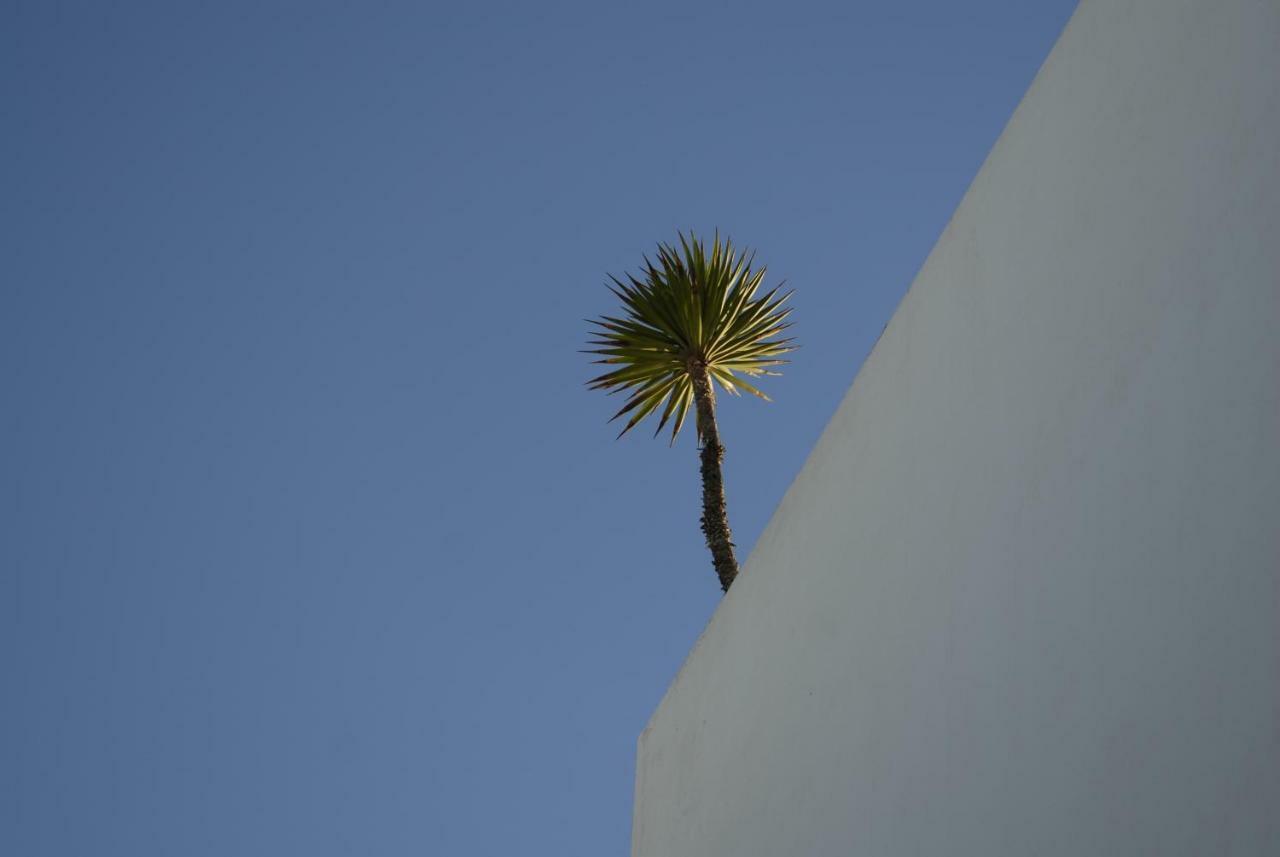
[{"x": 696, "y": 318}]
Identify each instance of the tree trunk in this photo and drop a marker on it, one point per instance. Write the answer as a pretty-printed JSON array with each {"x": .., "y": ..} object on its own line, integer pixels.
[{"x": 715, "y": 517}]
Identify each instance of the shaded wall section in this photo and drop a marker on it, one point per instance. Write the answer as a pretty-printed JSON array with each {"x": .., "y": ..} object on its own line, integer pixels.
[{"x": 1024, "y": 597}]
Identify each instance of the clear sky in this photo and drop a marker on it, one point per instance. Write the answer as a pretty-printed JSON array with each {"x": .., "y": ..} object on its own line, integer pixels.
[{"x": 312, "y": 541}]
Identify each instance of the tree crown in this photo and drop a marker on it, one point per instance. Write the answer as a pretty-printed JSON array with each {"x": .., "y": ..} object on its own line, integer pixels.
[{"x": 696, "y": 308}]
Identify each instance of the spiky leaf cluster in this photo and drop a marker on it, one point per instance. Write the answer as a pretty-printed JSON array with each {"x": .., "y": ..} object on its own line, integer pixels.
[{"x": 693, "y": 307}]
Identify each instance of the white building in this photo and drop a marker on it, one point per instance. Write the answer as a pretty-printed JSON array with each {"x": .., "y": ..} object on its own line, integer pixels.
[{"x": 1024, "y": 597}]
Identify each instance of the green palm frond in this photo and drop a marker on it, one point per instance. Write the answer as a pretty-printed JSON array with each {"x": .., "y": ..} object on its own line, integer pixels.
[{"x": 694, "y": 306}]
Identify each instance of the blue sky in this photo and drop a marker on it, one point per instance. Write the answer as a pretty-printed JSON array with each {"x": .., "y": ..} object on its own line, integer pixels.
[{"x": 312, "y": 540}]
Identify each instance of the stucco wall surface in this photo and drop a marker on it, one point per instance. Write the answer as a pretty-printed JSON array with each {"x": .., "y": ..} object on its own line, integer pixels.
[{"x": 1024, "y": 596}]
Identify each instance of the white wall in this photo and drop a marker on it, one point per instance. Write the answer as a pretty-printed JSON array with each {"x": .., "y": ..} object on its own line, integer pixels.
[{"x": 1024, "y": 597}]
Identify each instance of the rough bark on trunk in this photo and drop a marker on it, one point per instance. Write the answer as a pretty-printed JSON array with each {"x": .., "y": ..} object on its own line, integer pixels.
[{"x": 715, "y": 516}]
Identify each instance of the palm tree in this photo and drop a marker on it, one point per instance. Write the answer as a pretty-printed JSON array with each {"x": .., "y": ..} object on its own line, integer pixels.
[{"x": 692, "y": 320}]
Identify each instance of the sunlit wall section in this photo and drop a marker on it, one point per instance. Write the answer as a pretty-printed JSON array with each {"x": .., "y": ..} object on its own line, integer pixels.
[{"x": 1024, "y": 597}]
